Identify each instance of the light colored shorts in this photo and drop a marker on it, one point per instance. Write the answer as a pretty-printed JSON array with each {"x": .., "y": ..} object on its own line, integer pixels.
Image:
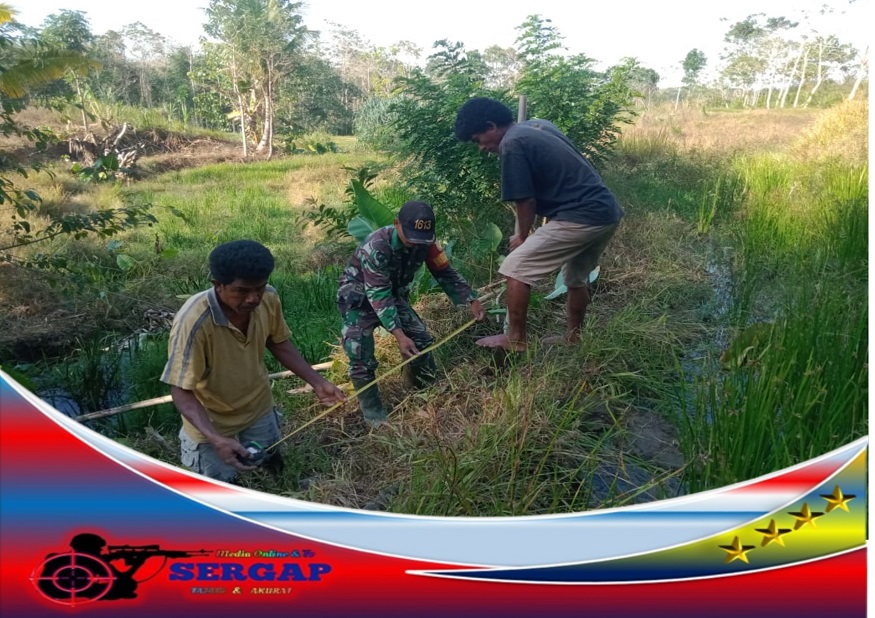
[
  {"x": 203, "y": 459},
  {"x": 574, "y": 247}
]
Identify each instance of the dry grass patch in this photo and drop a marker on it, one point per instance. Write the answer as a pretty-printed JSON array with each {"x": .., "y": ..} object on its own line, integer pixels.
[
  {"x": 723, "y": 131},
  {"x": 316, "y": 183},
  {"x": 841, "y": 132}
]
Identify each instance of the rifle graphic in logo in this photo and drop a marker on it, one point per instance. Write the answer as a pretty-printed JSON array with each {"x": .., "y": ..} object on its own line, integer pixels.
[{"x": 88, "y": 573}]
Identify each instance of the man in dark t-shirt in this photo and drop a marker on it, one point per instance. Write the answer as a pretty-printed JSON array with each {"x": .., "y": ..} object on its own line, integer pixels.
[{"x": 545, "y": 175}]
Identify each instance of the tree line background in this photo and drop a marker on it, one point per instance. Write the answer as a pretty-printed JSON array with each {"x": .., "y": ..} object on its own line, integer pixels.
[{"x": 261, "y": 72}]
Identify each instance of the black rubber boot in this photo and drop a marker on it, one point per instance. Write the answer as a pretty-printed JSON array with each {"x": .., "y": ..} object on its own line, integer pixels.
[
  {"x": 419, "y": 373},
  {"x": 274, "y": 464},
  {"x": 370, "y": 403}
]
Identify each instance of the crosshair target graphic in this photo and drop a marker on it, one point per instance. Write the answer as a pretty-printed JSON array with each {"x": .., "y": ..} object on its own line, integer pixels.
[{"x": 73, "y": 578}]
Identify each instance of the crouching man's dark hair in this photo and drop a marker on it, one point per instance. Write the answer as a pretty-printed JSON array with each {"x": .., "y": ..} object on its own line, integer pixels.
[
  {"x": 241, "y": 259},
  {"x": 476, "y": 114}
]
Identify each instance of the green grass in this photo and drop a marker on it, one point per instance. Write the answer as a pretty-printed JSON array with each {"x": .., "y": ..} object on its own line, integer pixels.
[
  {"x": 309, "y": 306},
  {"x": 147, "y": 357},
  {"x": 202, "y": 207},
  {"x": 651, "y": 173},
  {"x": 800, "y": 393},
  {"x": 800, "y": 390}
]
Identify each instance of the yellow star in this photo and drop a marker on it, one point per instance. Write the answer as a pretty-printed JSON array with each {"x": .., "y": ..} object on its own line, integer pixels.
[
  {"x": 837, "y": 500},
  {"x": 773, "y": 533},
  {"x": 805, "y": 516},
  {"x": 736, "y": 550}
]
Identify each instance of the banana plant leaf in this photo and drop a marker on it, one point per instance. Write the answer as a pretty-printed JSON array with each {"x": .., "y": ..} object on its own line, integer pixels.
[
  {"x": 359, "y": 228},
  {"x": 370, "y": 208},
  {"x": 489, "y": 238},
  {"x": 373, "y": 214}
]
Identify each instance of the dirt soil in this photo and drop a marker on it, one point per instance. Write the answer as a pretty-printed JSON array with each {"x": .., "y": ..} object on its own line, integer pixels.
[{"x": 32, "y": 323}]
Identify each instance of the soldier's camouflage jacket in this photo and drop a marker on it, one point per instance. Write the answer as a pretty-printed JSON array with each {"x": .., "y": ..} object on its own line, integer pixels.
[{"x": 381, "y": 270}]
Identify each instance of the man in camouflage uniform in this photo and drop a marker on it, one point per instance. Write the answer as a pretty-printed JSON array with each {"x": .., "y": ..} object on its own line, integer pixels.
[{"x": 374, "y": 291}]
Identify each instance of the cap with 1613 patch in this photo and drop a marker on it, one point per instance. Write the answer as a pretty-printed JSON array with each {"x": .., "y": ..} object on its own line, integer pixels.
[{"x": 417, "y": 222}]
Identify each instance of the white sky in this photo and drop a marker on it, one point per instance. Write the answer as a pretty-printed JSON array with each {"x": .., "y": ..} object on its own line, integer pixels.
[{"x": 658, "y": 33}]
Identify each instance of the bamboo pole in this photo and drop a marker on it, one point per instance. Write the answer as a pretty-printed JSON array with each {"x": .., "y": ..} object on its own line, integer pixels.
[
  {"x": 520, "y": 117},
  {"x": 157, "y": 401}
]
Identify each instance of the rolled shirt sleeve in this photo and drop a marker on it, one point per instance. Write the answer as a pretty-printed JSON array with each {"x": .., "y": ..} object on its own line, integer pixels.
[{"x": 452, "y": 283}]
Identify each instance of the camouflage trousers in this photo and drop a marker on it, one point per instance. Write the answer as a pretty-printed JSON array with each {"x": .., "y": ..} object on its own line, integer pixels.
[{"x": 358, "y": 335}]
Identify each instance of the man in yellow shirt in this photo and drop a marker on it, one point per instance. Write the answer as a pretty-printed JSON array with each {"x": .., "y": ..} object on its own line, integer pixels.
[{"x": 215, "y": 366}]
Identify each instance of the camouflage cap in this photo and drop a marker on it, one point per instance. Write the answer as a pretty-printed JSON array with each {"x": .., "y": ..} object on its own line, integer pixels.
[{"x": 417, "y": 222}]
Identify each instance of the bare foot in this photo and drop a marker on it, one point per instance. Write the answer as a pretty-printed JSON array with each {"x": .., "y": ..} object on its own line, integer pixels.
[
  {"x": 501, "y": 341},
  {"x": 561, "y": 340}
]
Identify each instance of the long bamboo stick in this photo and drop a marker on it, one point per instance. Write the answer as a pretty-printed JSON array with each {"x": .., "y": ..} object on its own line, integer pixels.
[
  {"x": 157, "y": 401},
  {"x": 148, "y": 403}
]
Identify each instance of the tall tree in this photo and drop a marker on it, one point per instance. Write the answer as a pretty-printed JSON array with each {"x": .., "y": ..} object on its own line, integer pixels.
[
  {"x": 368, "y": 69},
  {"x": 504, "y": 67},
  {"x": 215, "y": 92},
  {"x": 765, "y": 55},
  {"x": 315, "y": 97},
  {"x": 744, "y": 62},
  {"x": 264, "y": 40},
  {"x": 347, "y": 53},
  {"x": 177, "y": 87},
  {"x": 830, "y": 55},
  {"x": 117, "y": 80},
  {"x": 777, "y": 50},
  {"x": 70, "y": 31},
  {"x": 692, "y": 64},
  {"x": 646, "y": 82},
  {"x": 146, "y": 46}
]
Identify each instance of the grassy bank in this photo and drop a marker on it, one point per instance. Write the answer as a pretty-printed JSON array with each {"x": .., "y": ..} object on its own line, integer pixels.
[{"x": 793, "y": 383}]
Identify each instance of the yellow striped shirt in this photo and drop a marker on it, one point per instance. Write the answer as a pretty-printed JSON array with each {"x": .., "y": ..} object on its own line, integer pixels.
[{"x": 223, "y": 367}]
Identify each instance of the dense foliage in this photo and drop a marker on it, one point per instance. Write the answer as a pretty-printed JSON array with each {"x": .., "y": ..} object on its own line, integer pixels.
[
  {"x": 261, "y": 67},
  {"x": 455, "y": 177}
]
